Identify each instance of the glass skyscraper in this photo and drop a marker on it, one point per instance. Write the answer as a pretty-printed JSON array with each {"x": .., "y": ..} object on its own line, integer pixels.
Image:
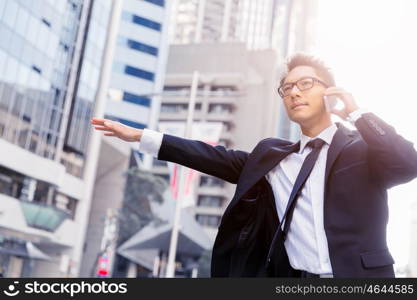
[{"x": 50, "y": 63}]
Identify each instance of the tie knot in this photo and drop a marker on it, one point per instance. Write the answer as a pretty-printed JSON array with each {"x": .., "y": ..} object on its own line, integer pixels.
[{"x": 316, "y": 143}]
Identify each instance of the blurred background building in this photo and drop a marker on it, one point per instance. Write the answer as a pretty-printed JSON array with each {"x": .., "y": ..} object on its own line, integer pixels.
[
  {"x": 50, "y": 61},
  {"x": 236, "y": 88},
  {"x": 133, "y": 99},
  {"x": 287, "y": 26},
  {"x": 51, "y": 64}
]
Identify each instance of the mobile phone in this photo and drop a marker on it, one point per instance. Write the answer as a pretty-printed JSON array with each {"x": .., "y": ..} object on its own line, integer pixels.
[{"x": 330, "y": 102}]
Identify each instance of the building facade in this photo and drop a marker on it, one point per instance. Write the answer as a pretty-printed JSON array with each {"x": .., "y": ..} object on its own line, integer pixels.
[
  {"x": 139, "y": 63},
  {"x": 248, "y": 21},
  {"x": 50, "y": 62},
  {"x": 236, "y": 88},
  {"x": 133, "y": 99}
]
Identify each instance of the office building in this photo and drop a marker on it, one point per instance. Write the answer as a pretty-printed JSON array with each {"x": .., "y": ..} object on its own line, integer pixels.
[{"x": 50, "y": 63}]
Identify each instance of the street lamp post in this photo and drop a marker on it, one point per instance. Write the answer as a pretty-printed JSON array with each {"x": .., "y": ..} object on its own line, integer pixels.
[{"x": 176, "y": 225}]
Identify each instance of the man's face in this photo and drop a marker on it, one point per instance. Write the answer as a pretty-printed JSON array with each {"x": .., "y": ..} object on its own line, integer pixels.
[{"x": 303, "y": 107}]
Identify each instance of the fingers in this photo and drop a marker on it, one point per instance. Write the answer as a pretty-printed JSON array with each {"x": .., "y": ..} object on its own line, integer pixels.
[
  {"x": 108, "y": 124},
  {"x": 109, "y": 134},
  {"x": 98, "y": 121},
  {"x": 102, "y": 128}
]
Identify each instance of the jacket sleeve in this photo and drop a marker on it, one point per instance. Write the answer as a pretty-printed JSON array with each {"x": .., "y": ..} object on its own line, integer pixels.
[
  {"x": 393, "y": 159},
  {"x": 213, "y": 160}
]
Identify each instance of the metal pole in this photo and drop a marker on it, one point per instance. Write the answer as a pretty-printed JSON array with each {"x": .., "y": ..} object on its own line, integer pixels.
[{"x": 176, "y": 225}]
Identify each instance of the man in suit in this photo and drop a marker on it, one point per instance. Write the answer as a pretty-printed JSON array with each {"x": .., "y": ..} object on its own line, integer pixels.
[{"x": 315, "y": 208}]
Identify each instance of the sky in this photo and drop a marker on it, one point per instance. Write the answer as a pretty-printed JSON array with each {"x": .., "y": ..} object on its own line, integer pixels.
[{"x": 371, "y": 45}]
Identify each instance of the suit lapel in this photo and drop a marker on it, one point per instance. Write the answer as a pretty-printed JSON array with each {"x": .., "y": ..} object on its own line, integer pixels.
[
  {"x": 341, "y": 139},
  {"x": 262, "y": 163}
]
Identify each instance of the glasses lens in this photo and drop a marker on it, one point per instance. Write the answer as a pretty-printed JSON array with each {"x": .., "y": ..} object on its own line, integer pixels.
[
  {"x": 286, "y": 89},
  {"x": 305, "y": 83}
]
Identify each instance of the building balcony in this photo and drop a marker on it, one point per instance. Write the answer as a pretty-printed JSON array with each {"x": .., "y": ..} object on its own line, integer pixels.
[
  {"x": 31, "y": 221},
  {"x": 43, "y": 216}
]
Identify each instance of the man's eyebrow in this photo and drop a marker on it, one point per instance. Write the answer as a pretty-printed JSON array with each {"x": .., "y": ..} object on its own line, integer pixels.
[{"x": 285, "y": 82}]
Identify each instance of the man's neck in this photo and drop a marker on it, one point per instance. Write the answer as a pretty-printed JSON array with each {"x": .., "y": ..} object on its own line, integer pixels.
[{"x": 315, "y": 128}]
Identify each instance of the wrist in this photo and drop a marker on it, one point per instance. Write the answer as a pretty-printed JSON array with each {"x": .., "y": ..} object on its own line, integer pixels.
[{"x": 138, "y": 135}]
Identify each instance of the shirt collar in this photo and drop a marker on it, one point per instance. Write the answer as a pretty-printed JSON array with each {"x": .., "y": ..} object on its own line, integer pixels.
[{"x": 326, "y": 135}]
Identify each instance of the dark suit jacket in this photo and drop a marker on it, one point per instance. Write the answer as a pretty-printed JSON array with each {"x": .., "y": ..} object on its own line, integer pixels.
[{"x": 361, "y": 166}]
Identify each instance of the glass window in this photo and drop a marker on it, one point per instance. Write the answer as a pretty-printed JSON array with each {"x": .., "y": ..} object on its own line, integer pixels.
[
  {"x": 2, "y": 62},
  {"x": 33, "y": 79},
  {"x": 22, "y": 21},
  {"x": 218, "y": 108},
  {"x": 37, "y": 59},
  {"x": 209, "y": 201},
  {"x": 27, "y": 54},
  {"x": 140, "y": 47},
  {"x": 93, "y": 81},
  {"x": 2, "y": 8},
  {"x": 10, "y": 13},
  {"x": 101, "y": 37},
  {"x": 206, "y": 181},
  {"x": 141, "y": 21},
  {"x": 16, "y": 45},
  {"x": 6, "y": 36},
  {"x": 11, "y": 70},
  {"x": 86, "y": 71},
  {"x": 208, "y": 220},
  {"x": 23, "y": 77},
  {"x": 53, "y": 45},
  {"x": 157, "y": 2},
  {"x": 44, "y": 84},
  {"x": 139, "y": 73},
  {"x": 43, "y": 37},
  {"x": 93, "y": 32},
  {"x": 34, "y": 25},
  {"x": 140, "y": 100},
  {"x": 60, "y": 6},
  {"x": 11, "y": 182}
]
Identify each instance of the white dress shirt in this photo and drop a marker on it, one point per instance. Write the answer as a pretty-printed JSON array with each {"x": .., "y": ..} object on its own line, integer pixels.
[{"x": 306, "y": 242}]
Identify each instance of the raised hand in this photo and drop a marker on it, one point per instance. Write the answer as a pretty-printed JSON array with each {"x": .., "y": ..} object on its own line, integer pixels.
[{"x": 117, "y": 129}]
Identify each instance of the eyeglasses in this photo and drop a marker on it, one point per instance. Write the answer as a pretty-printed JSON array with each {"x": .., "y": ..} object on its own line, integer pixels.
[{"x": 302, "y": 84}]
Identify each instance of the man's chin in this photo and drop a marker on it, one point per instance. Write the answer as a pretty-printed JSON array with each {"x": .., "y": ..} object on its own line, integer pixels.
[{"x": 299, "y": 118}]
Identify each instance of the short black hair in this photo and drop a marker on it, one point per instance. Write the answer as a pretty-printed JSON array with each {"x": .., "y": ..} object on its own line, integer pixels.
[{"x": 302, "y": 59}]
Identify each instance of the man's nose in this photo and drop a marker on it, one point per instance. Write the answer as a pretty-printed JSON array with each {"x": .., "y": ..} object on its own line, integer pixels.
[{"x": 295, "y": 90}]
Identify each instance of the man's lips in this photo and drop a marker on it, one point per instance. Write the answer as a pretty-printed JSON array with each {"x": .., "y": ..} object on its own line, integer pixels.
[{"x": 298, "y": 105}]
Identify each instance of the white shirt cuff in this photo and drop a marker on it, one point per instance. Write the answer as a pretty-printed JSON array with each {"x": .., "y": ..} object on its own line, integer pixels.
[
  {"x": 354, "y": 115},
  {"x": 150, "y": 142}
]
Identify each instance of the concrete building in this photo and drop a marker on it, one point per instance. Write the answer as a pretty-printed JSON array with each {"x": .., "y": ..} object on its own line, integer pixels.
[
  {"x": 287, "y": 26},
  {"x": 133, "y": 99},
  {"x": 139, "y": 63},
  {"x": 50, "y": 65},
  {"x": 248, "y": 21},
  {"x": 293, "y": 30},
  {"x": 237, "y": 89}
]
